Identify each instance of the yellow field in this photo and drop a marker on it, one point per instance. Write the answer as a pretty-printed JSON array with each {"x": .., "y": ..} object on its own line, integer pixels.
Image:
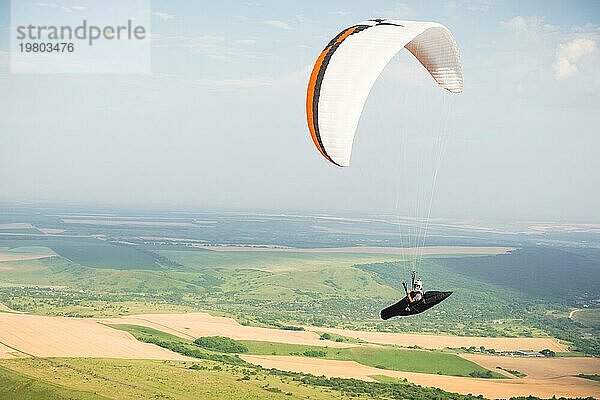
[
  {"x": 7, "y": 352},
  {"x": 72, "y": 337},
  {"x": 567, "y": 386},
  {"x": 6, "y": 257},
  {"x": 441, "y": 341},
  {"x": 22, "y": 335},
  {"x": 542, "y": 368},
  {"x": 193, "y": 325}
]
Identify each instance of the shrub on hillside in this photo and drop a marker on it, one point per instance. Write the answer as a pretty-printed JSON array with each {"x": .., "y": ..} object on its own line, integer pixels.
[
  {"x": 315, "y": 353},
  {"x": 292, "y": 328},
  {"x": 221, "y": 344},
  {"x": 481, "y": 374}
]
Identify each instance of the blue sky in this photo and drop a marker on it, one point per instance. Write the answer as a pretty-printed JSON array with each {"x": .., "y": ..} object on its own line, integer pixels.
[{"x": 220, "y": 121}]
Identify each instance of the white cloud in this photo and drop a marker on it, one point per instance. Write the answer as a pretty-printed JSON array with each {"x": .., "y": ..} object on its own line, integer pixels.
[
  {"x": 241, "y": 82},
  {"x": 48, "y": 5},
  {"x": 277, "y": 24},
  {"x": 66, "y": 8},
  {"x": 399, "y": 12},
  {"x": 294, "y": 78},
  {"x": 203, "y": 42},
  {"x": 481, "y": 5},
  {"x": 163, "y": 15},
  {"x": 569, "y": 54},
  {"x": 519, "y": 23},
  {"x": 251, "y": 82},
  {"x": 532, "y": 25},
  {"x": 246, "y": 41},
  {"x": 301, "y": 18},
  {"x": 212, "y": 46},
  {"x": 558, "y": 50}
]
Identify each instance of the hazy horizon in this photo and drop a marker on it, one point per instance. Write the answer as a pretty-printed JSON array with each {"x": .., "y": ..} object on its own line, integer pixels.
[{"x": 219, "y": 124}]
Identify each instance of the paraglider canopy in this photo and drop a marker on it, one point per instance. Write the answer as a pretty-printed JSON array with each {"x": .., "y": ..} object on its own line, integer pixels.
[
  {"x": 348, "y": 67},
  {"x": 341, "y": 80}
]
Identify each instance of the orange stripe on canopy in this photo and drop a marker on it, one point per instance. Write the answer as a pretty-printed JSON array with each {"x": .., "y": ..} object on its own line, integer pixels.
[
  {"x": 310, "y": 97},
  {"x": 311, "y": 90}
]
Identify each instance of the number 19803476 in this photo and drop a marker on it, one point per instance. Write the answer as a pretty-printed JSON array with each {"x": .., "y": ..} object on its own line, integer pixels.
[{"x": 46, "y": 47}]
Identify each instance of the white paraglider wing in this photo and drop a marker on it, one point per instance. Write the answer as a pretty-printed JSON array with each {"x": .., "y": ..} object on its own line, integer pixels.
[{"x": 347, "y": 69}]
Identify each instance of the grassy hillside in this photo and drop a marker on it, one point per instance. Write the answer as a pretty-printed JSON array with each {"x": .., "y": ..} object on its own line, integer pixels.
[
  {"x": 152, "y": 380},
  {"x": 562, "y": 275},
  {"x": 270, "y": 260},
  {"x": 202, "y": 379},
  {"x": 287, "y": 288},
  {"x": 589, "y": 317},
  {"x": 17, "y": 386}
]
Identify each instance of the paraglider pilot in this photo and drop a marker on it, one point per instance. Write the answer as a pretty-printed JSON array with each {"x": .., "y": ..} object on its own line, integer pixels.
[
  {"x": 416, "y": 294},
  {"x": 416, "y": 300}
]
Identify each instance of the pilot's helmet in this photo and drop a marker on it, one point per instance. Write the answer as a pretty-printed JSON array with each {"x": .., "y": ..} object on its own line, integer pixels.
[{"x": 418, "y": 285}]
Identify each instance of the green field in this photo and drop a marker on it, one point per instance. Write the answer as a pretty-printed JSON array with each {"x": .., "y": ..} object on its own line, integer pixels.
[
  {"x": 513, "y": 372},
  {"x": 145, "y": 333},
  {"x": 90, "y": 252},
  {"x": 384, "y": 357}
]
